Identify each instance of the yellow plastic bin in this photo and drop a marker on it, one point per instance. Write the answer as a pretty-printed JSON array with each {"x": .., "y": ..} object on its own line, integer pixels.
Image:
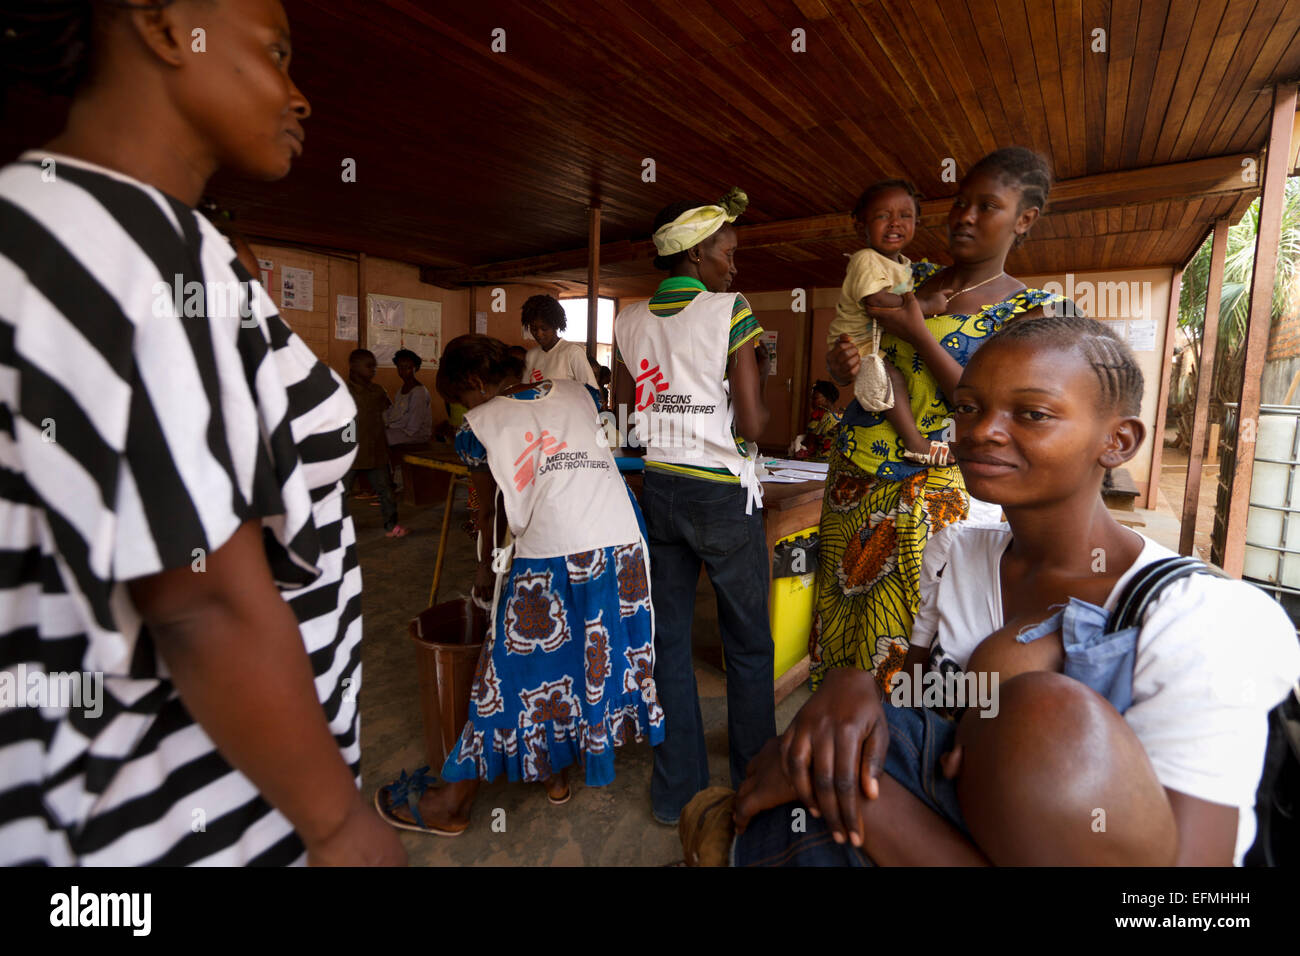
[{"x": 791, "y": 603}]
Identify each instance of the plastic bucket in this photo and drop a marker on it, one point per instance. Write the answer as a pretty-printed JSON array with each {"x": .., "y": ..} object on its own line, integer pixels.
[
  {"x": 448, "y": 638},
  {"x": 1272, "y": 553}
]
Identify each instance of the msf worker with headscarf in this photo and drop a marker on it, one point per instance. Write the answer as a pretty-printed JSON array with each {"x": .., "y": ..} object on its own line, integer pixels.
[{"x": 699, "y": 406}]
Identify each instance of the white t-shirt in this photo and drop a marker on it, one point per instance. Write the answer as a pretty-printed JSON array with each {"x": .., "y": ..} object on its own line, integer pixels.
[
  {"x": 1213, "y": 658},
  {"x": 564, "y": 360}
]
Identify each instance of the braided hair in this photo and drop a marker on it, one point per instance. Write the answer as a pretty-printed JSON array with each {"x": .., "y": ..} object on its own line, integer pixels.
[
  {"x": 1022, "y": 168},
  {"x": 50, "y": 43},
  {"x": 1111, "y": 359}
]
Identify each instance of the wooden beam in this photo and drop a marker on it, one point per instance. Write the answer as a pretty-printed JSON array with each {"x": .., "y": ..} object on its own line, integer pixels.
[
  {"x": 1162, "y": 395},
  {"x": 593, "y": 276},
  {"x": 1204, "y": 388},
  {"x": 1263, "y": 274},
  {"x": 1218, "y": 175}
]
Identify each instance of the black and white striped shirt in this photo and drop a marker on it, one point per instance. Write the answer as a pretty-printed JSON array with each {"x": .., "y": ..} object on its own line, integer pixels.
[{"x": 135, "y": 438}]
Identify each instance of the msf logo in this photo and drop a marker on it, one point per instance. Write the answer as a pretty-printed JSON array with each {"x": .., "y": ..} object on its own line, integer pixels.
[
  {"x": 526, "y": 470},
  {"x": 648, "y": 385}
]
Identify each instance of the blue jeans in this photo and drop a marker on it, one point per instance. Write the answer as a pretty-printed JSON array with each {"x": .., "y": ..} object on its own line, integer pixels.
[
  {"x": 691, "y": 521},
  {"x": 382, "y": 482},
  {"x": 918, "y": 737}
]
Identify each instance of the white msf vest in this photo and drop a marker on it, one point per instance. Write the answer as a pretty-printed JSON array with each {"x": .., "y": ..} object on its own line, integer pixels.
[
  {"x": 679, "y": 363},
  {"x": 557, "y": 478}
]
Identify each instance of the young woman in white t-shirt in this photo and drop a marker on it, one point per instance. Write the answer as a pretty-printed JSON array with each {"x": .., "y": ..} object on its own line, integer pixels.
[
  {"x": 1042, "y": 410},
  {"x": 554, "y": 358}
]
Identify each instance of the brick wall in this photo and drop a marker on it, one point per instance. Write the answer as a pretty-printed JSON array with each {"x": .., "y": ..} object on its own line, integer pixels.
[{"x": 1284, "y": 338}]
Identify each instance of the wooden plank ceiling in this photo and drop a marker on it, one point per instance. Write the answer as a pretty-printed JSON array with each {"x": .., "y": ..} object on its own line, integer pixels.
[{"x": 467, "y": 157}]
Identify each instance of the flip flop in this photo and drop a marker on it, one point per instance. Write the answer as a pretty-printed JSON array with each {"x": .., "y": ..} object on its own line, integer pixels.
[{"x": 408, "y": 790}]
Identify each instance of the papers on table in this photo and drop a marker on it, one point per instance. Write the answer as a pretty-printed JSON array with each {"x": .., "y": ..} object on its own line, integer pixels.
[
  {"x": 786, "y": 470},
  {"x": 772, "y": 464}
]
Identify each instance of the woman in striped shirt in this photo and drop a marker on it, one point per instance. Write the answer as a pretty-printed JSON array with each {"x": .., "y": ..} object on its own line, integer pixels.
[{"x": 174, "y": 542}]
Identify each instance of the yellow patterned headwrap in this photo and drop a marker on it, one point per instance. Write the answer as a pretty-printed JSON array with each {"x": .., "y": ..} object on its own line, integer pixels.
[{"x": 695, "y": 225}]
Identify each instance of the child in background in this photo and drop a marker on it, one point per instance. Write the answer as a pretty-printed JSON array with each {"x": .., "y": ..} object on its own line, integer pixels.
[
  {"x": 567, "y": 672},
  {"x": 372, "y": 448},
  {"x": 408, "y": 421},
  {"x": 816, "y": 442},
  {"x": 544, "y": 318},
  {"x": 877, "y": 277}
]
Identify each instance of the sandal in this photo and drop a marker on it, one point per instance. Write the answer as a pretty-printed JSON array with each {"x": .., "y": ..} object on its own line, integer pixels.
[
  {"x": 939, "y": 455},
  {"x": 560, "y": 800},
  {"x": 407, "y": 791},
  {"x": 397, "y": 531}
]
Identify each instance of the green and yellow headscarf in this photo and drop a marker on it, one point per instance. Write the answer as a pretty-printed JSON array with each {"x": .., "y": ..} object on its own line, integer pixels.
[{"x": 695, "y": 225}]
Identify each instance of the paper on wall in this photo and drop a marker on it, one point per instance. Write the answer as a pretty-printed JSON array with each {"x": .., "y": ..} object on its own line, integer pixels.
[
  {"x": 386, "y": 313},
  {"x": 345, "y": 322},
  {"x": 297, "y": 289},
  {"x": 1142, "y": 335},
  {"x": 425, "y": 346},
  {"x": 480, "y": 323},
  {"x": 769, "y": 340},
  {"x": 1119, "y": 327},
  {"x": 384, "y": 342},
  {"x": 423, "y": 317}
]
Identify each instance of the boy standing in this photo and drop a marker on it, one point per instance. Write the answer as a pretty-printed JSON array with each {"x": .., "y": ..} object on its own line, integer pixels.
[{"x": 372, "y": 447}]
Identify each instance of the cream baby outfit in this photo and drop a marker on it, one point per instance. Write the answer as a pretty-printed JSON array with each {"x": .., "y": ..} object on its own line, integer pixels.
[{"x": 868, "y": 273}]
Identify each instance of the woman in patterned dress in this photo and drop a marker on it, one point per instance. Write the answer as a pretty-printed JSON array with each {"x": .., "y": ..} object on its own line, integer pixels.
[
  {"x": 880, "y": 509},
  {"x": 567, "y": 671}
]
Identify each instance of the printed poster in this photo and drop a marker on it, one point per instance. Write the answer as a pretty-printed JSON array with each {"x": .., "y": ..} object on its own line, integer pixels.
[
  {"x": 345, "y": 318},
  {"x": 1142, "y": 335},
  {"x": 396, "y": 322},
  {"x": 297, "y": 288}
]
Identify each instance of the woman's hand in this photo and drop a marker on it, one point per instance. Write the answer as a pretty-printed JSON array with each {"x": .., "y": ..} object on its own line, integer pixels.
[
  {"x": 906, "y": 322},
  {"x": 362, "y": 840},
  {"x": 834, "y": 749},
  {"x": 765, "y": 786},
  {"x": 843, "y": 360}
]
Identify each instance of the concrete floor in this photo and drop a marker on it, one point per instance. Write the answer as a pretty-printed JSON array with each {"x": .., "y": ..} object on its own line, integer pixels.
[{"x": 604, "y": 826}]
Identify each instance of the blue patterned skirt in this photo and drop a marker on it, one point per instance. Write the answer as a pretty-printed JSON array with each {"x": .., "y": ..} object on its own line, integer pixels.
[{"x": 568, "y": 673}]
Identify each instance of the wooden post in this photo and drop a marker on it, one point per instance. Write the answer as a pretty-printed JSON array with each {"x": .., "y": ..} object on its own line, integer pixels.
[
  {"x": 1204, "y": 388},
  {"x": 363, "y": 313},
  {"x": 1162, "y": 399},
  {"x": 1257, "y": 328},
  {"x": 593, "y": 276}
]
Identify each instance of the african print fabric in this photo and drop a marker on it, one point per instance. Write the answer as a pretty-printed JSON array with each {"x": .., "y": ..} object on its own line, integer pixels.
[
  {"x": 873, "y": 535},
  {"x": 568, "y": 673}
]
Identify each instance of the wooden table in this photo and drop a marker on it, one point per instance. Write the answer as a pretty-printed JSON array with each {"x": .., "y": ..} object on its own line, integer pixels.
[
  {"x": 450, "y": 463},
  {"x": 787, "y": 509}
]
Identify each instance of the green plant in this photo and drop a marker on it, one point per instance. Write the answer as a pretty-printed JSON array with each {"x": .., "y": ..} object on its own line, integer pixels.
[{"x": 1234, "y": 308}]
